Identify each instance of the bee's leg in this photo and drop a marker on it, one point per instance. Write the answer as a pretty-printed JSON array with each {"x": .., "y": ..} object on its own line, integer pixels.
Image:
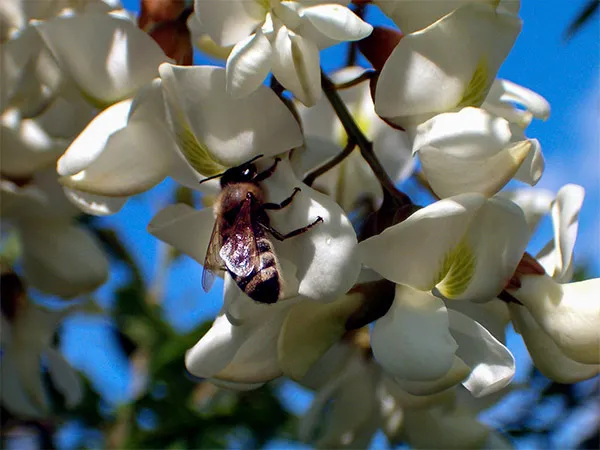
[
  {"x": 267, "y": 172},
  {"x": 282, "y": 237},
  {"x": 284, "y": 203}
]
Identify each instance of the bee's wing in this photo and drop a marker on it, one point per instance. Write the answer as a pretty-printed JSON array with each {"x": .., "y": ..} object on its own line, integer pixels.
[
  {"x": 239, "y": 251},
  {"x": 212, "y": 260}
]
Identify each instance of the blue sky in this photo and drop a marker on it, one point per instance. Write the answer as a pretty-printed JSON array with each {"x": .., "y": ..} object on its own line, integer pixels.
[{"x": 565, "y": 73}]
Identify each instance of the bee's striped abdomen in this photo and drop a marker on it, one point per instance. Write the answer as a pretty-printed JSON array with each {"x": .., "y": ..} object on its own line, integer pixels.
[{"x": 262, "y": 285}]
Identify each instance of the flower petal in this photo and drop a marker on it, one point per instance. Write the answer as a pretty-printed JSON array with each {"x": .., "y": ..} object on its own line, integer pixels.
[
  {"x": 569, "y": 313},
  {"x": 296, "y": 66},
  {"x": 231, "y": 21},
  {"x": 94, "y": 138},
  {"x": 421, "y": 237},
  {"x": 124, "y": 57},
  {"x": 12, "y": 395},
  {"x": 493, "y": 366},
  {"x": 337, "y": 22},
  {"x": 532, "y": 168},
  {"x": 214, "y": 130},
  {"x": 248, "y": 64},
  {"x": 422, "y": 78},
  {"x": 535, "y": 203},
  {"x": 184, "y": 228},
  {"x": 546, "y": 355},
  {"x": 504, "y": 94},
  {"x": 412, "y": 340},
  {"x": 96, "y": 205},
  {"x": 457, "y": 373},
  {"x": 62, "y": 259}
]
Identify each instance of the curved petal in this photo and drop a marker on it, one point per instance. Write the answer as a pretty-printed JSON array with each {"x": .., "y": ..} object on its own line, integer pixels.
[
  {"x": 569, "y": 313},
  {"x": 214, "y": 130},
  {"x": 93, "y": 139},
  {"x": 184, "y": 228},
  {"x": 493, "y": 366},
  {"x": 12, "y": 395},
  {"x": 296, "y": 65},
  {"x": 64, "y": 378},
  {"x": 124, "y": 57},
  {"x": 96, "y": 205},
  {"x": 469, "y": 151},
  {"x": 422, "y": 78},
  {"x": 493, "y": 246},
  {"x": 565, "y": 220},
  {"x": 421, "y": 237},
  {"x": 248, "y": 64},
  {"x": 228, "y": 22},
  {"x": 492, "y": 315},
  {"x": 504, "y": 94},
  {"x": 61, "y": 259},
  {"x": 532, "y": 168},
  {"x": 337, "y": 22},
  {"x": 134, "y": 159},
  {"x": 546, "y": 355},
  {"x": 412, "y": 340}
]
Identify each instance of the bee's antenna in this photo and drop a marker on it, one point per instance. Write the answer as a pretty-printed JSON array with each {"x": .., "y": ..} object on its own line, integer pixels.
[
  {"x": 253, "y": 159},
  {"x": 211, "y": 178}
]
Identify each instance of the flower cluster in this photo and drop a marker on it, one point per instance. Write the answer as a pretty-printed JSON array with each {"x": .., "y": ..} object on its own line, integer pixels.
[{"x": 394, "y": 312}]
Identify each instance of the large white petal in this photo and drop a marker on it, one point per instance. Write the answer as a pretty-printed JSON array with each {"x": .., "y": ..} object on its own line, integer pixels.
[
  {"x": 411, "y": 16},
  {"x": 184, "y": 228},
  {"x": 296, "y": 65},
  {"x": 248, "y": 64},
  {"x": 337, "y": 22},
  {"x": 228, "y": 22},
  {"x": 134, "y": 159},
  {"x": 62, "y": 259},
  {"x": 422, "y": 78},
  {"x": 412, "y": 341},
  {"x": 93, "y": 139},
  {"x": 493, "y": 247},
  {"x": 546, "y": 355},
  {"x": 569, "y": 313},
  {"x": 120, "y": 58},
  {"x": 414, "y": 251},
  {"x": 215, "y": 130},
  {"x": 493, "y": 366}
]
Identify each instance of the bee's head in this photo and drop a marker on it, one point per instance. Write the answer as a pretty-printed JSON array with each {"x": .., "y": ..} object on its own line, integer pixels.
[{"x": 245, "y": 172}]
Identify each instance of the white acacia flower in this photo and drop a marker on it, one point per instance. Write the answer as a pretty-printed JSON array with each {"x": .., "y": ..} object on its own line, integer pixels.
[
  {"x": 325, "y": 138},
  {"x": 26, "y": 347},
  {"x": 559, "y": 322},
  {"x": 447, "y": 66},
  {"x": 466, "y": 247},
  {"x": 473, "y": 151},
  {"x": 279, "y": 36},
  {"x": 59, "y": 257}
]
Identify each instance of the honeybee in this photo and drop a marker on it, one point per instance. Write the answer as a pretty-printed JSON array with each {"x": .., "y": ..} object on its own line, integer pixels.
[{"x": 240, "y": 240}]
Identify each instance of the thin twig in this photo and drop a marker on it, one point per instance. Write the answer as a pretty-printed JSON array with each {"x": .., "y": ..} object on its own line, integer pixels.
[
  {"x": 366, "y": 147},
  {"x": 365, "y": 76},
  {"x": 312, "y": 176}
]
